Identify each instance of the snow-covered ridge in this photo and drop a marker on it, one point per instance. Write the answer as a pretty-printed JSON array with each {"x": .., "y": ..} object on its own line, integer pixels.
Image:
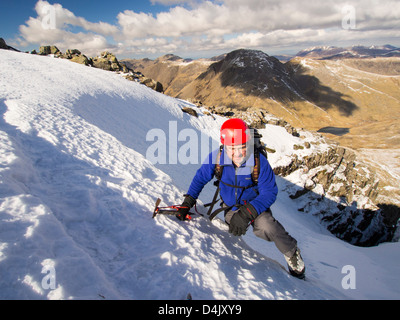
[
  {"x": 76, "y": 195},
  {"x": 356, "y": 51}
]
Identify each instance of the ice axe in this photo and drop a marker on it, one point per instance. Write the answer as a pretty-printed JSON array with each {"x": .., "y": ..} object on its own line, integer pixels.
[{"x": 170, "y": 210}]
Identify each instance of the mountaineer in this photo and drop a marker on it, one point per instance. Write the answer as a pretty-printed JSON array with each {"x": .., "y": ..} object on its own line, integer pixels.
[{"x": 247, "y": 187}]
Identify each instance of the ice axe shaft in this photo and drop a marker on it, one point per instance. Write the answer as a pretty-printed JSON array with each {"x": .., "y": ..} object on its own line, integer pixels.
[{"x": 171, "y": 210}]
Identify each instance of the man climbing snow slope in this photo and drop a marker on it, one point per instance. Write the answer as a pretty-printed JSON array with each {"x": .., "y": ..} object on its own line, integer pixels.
[{"x": 247, "y": 187}]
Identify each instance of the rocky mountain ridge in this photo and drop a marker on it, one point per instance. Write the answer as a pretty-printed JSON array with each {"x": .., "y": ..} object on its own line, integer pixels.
[
  {"x": 332, "y": 52},
  {"x": 336, "y": 176},
  {"x": 106, "y": 61}
]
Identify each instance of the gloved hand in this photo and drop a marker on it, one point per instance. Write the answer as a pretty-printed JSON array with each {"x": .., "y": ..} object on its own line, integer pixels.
[
  {"x": 241, "y": 219},
  {"x": 187, "y": 203}
]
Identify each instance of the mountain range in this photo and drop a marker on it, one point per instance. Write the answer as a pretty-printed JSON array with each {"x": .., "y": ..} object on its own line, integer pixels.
[{"x": 332, "y": 52}]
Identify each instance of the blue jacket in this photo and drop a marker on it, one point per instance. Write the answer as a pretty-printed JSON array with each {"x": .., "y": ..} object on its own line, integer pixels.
[{"x": 261, "y": 196}]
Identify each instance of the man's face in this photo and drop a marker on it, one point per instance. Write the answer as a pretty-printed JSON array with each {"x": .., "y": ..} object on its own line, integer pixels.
[{"x": 237, "y": 153}]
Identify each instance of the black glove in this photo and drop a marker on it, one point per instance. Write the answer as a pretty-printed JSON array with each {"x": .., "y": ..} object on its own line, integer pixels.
[
  {"x": 184, "y": 209},
  {"x": 241, "y": 219}
]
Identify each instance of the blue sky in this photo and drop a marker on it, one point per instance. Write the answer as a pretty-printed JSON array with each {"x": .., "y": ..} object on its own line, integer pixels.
[
  {"x": 14, "y": 13},
  {"x": 194, "y": 28}
]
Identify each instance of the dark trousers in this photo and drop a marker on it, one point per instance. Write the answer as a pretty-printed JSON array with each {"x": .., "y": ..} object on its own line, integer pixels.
[{"x": 266, "y": 227}]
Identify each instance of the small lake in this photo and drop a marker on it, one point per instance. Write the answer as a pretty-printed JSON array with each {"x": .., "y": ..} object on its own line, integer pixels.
[{"x": 334, "y": 130}]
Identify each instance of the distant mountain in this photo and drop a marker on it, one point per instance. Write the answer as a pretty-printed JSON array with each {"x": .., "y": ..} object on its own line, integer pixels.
[
  {"x": 251, "y": 72},
  {"x": 330, "y": 52}
]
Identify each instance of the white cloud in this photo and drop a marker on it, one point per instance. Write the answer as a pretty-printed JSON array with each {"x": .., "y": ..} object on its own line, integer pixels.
[
  {"x": 220, "y": 25},
  {"x": 52, "y": 24},
  {"x": 177, "y": 22},
  {"x": 63, "y": 17}
]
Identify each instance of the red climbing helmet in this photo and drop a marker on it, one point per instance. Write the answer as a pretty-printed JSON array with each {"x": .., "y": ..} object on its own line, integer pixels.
[{"x": 234, "y": 132}]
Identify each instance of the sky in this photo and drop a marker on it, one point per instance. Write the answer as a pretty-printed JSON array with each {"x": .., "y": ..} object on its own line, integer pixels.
[{"x": 197, "y": 29}]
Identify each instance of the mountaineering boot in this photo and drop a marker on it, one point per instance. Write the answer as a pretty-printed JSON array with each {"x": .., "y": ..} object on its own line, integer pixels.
[{"x": 296, "y": 265}]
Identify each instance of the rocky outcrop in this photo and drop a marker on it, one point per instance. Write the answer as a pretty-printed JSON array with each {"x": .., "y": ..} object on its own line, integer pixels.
[
  {"x": 76, "y": 56},
  {"x": 106, "y": 61},
  {"x": 255, "y": 117},
  {"x": 81, "y": 59},
  {"x": 337, "y": 171},
  {"x": 73, "y": 55},
  {"x": 343, "y": 193},
  {"x": 4, "y": 46},
  {"x": 190, "y": 111},
  {"x": 46, "y": 50},
  {"x": 151, "y": 83}
]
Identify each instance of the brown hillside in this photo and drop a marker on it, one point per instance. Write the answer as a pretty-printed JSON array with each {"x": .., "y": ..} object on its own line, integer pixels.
[
  {"x": 370, "y": 105},
  {"x": 172, "y": 71},
  {"x": 248, "y": 78}
]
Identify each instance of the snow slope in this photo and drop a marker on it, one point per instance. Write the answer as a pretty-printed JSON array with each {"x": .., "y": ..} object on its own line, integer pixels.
[{"x": 77, "y": 191}]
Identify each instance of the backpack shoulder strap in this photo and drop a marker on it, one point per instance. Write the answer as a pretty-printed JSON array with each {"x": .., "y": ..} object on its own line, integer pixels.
[
  {"x": 218, "y": 167},
  {"x": 256, "y": 169},
  {"x": 218, "y": 175},
  {"x": 259, "y": 148}
]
